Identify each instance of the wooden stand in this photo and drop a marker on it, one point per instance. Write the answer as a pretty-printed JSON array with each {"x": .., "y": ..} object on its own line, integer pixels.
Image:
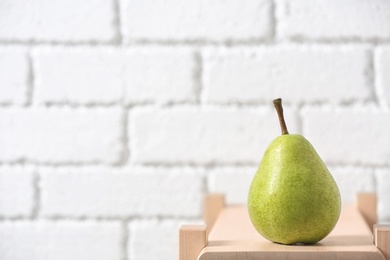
[{"x": 230, "y": 235}]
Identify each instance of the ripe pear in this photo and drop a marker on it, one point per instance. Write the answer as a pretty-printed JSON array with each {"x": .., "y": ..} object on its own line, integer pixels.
[{"x": 293, "y": 197}]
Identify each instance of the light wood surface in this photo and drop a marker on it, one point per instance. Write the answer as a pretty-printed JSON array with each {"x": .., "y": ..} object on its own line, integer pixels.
[
  {"x": 192, "y": 239},
  {"x": 366, "y": 204},
  {"x": 234, "y": 237},
  {"x": 382, "y": 239},
  {"x": 213, "y": 204}
]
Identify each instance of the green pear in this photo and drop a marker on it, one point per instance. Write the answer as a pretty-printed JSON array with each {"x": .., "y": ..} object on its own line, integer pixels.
[{"x": 293, "y": 197}]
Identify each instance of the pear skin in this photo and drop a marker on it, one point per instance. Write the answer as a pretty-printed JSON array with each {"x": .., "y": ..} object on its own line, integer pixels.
[{"x": 293, "y": 197}]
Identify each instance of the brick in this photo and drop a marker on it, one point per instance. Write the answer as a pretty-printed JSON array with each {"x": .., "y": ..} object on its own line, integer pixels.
[
  {"x": 81, "y": 76},
  {"x": 301, "y": 74},
  {"x": 106, "y": 75},
  {"x": 14, "y": 76},
  {"x": 382, "y": 65},
  {"x": 16, "y": 192},
  {"x": 58, "y": 21},
  {"x": 383, "y": 193},
  {"x": 153, "y": 239},
  {"x": 26, "y": 240},
  {"x": 196, "y": 20},
  {"x": 324, "y": 19},
  {"x": 353, "y": 180},
  {"x": 61, "y": 135},
  {"x": 233, "y": 182},
  {"x": 110, "y": 193},
  {"x": 160, "y": 75},
  {"x": 203, "y": 136},
  {"x": 349, "y": 136}
]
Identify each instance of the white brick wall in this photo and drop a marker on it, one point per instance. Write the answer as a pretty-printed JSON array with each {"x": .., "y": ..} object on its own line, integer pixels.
[
  {"x": 382, "y": 63},
  {"x": 61, "y": 135},
  {"x": 233, "y": 182},
  {"x": 352, "y": 180},
  {"x": 80, "y": 76},
  {"x": 108, "y": 75},
  {"x": 203, "y": 136},
  {"x": 146, "y": 79},
  {"x": 57, "y": 21},
  {"x": 16, "y": 192},
  {"x": 334, "y": 20},
  {"x": 130, "y": 193},
  {"x": 349, "y": 136},
  {"x": 14, "y": 76},
  {"x": 151, "y": 238},
  {"x": 320, "y": 74},
  {"x": 62, "y": 240},
  {"x": 117, "y": 117},
  {"x": 177, "y": 20}
]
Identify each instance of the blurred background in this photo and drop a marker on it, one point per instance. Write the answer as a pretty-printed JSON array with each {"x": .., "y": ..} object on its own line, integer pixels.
[{"x": 118, "y": 116}]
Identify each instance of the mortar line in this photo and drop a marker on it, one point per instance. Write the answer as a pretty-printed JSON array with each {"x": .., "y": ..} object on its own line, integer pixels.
[
  {"x": 374, "y": 177},
  {"x": 172, "y": 165},
  {"x": 371, "y": 78},
  {"x": 56, "y": 164},
  {"x": 206, "y": 183},
  {"x": 30, "y": 80},
  {"x": 125, "y": 240},
  {"x": 37, "y": 195},
  {"x": 125, "y": 157},
  {"x": 130, "y": 138},
  {"x": 118, "y": 21},
  {"x": 377, "y": 90},
  {"x": 299, "y": 118},
  {"x": 200, "y": 42},
  {"x": 273, "y": 21},
  {"x": 198, "y": 77}
]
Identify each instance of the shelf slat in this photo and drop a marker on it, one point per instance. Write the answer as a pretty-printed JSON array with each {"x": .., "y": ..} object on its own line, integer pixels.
[{"x": 234, "y": 237}]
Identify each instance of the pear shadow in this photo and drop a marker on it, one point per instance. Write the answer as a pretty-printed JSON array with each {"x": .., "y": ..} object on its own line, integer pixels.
[
  {"x": 297, "y": 244},
  {"x": 335, "y": 241}
]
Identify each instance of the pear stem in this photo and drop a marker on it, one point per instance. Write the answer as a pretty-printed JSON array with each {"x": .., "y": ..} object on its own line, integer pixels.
[{"x": 279, "y": 109}]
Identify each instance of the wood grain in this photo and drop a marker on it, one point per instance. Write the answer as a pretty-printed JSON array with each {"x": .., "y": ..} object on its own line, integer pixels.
[
  {"x": 382, "y": 239},
  {"x": 213, "y": 204},
  {"x": 234, "y": 238},
  {"x": 366, "y": 204},
  {"x": 192, "y": 239}
]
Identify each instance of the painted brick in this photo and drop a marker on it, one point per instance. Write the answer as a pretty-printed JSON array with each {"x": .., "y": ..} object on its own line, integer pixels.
[
  {"x": 196, "y": 20},
  {"x": 61, "y": 135},
  {"x": 352, "y": 180},
  {"x": 16, "y": 192},
  {"x": 305, "y": 19},
  {"x": 382, "y": 65},
  {"x": 81, "y": 75},
  {"x": 25, "y": 240},
  {"x": 233, "y": 182},
  {"x": 14, "y": 76},
  {"x": 133, "y": 192},
  {"x": 153, "y": 239},
  {"x": 349, "y": 136},
  {"x": 58, "y": 21},
  {"x": 300, "y": 74},
  {"x": 203, "y": 136},
  {"x": 106, "y": 75},
  {"x": 383, "y": 193},
  {"x": 160, "y": 75}
]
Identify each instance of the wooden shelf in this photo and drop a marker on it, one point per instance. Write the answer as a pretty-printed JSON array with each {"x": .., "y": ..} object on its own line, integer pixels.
[{"x": 231, "y": 235}]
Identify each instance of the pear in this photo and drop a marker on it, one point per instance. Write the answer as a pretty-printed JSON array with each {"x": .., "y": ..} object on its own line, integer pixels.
[{"x": 293, "y": 198}]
